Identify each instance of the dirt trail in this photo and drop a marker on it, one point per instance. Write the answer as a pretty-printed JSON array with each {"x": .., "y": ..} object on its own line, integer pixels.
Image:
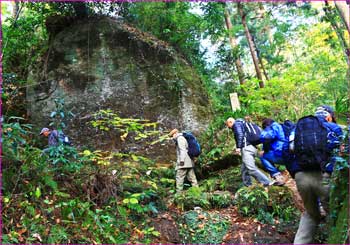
[{"x": 243, "y": 230}]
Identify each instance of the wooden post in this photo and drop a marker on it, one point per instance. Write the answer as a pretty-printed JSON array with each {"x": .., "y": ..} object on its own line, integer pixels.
[{"x": 235, "y": 102}]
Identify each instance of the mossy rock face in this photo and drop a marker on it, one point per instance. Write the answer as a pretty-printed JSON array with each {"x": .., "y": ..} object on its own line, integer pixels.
[{"x": 100, "y": 63}]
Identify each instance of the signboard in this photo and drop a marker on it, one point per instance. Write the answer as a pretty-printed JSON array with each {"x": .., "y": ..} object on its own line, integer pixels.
[{"x": 234, "y": 102}]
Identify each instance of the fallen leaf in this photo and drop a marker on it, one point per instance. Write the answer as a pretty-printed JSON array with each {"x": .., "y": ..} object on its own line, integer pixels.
[
  {"x": 22, "y": 231},
  {"x": 201, "y": 216},
  {"x": 37, "y": 236}
]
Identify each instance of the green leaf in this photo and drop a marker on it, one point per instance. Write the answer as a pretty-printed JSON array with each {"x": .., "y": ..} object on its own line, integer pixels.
[
  {"x": 133, "y": 201},
  {"x": 37, "y": 192}
]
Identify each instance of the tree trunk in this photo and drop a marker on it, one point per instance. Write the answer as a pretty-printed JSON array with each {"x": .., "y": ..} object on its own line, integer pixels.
[
  {"x": 267, "y": 28},
  {"x": 251, "y": 44},
  {"x": 344, "y": 44},
  {"x": 344, "y": 10},
  {"x": 15, "y": 10},
  {"x": 234, "y": 46},
  {"x": 263, "y": 68}
]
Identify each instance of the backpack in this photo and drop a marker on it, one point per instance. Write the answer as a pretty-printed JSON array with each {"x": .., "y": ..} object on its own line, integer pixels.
[
  {"x": 252, "y": 133},
  {"x": 310, "y": 143},
  {"x": 194, "y": 148},
  {"x": 64, "y": 139},
  {"x": 287, "y": 126}
]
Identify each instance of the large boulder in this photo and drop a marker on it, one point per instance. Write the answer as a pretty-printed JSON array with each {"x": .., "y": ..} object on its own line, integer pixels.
[{"x": 102, "y": 63}]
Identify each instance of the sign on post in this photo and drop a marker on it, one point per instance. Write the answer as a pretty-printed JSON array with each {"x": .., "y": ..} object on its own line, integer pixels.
[{"x": 234, "y": 102}]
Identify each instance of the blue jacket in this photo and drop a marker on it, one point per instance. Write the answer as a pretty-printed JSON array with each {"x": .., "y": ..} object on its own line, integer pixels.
[
  {"x": 273, "y": 135},
  {"x": 334, "y": 138}
]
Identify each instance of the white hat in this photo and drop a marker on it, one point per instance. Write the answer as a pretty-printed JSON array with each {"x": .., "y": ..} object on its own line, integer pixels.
[{"x": 44, "y": 130}]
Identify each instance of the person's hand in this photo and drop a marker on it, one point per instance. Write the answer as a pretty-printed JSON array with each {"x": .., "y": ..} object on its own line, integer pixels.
[
  {"x": 261, "y": 153},
  {"x": 238, "y": 151},
  {"x": 341, "y": 150}
]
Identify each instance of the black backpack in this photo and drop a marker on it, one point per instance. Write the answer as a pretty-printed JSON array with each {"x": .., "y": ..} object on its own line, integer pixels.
[
  {"x": 64, "y": 138},
  {"x": 310, "y": 143},
  {"x": 252, "y": 133},
  {"x": 194, "y": 148}
]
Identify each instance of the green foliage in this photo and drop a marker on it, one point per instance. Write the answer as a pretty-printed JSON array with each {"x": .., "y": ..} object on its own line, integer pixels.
[
  {"x": 191, "y": 198},
  {"x": 14, "y": 137},
  {"x": 107, "y": 120},
  {"x": 220, "y": 199},
  {"x": 59, "y": 115},
  {"x": 276, "y": 202},
  {"x": 169, "y": 21},
  {"x": 202, "y": 227},
  {"x": 251, "y": 200},
  {"x": 337, "y": 224}
]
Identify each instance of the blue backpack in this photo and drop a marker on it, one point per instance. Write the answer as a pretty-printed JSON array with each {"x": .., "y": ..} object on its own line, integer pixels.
[
  {"x": 194, "y": 148},
  {"x": 310, "y": 143}
]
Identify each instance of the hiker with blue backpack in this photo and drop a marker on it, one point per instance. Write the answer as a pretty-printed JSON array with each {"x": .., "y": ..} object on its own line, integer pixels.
[
  {"x": 247, "y": 136},
  {"x": 186, "y": 149},
  {"x": 275, "y": 145},
  {"x": 55, "y": 137},
  {"x": 315, "y": 138}
]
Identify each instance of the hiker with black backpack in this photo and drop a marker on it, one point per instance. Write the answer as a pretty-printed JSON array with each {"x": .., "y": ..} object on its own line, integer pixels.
[
  {"x": 274, "y": 145},
  {"x": 184, "y": 164},
  {"x": 315, "y": 138},
  {"x": 247, "y": 136}
]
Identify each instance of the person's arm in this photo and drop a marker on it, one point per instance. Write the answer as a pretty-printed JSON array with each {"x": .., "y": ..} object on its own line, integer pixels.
[
  {"x": 181, "y": 144},
  {"x": 238, "y": 131}
]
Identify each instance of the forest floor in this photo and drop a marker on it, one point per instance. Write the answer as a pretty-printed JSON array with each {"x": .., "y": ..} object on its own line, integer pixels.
[{"x": 242, "y": 230}]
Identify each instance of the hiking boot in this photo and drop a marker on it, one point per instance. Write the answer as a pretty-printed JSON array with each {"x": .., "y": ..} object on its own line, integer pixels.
[
  {"x": 270, "y": 183},
  {"x": 279, "y": 180}
]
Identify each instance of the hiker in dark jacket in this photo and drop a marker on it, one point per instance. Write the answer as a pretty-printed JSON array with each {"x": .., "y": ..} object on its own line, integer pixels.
[
  {"x": 313, "y": 184},
  {"x": 273, "y": 140},
  {"x": 248, "y": 152},
  {"x": 55, "y": 137},
  {"x": 52, "y": 136}
]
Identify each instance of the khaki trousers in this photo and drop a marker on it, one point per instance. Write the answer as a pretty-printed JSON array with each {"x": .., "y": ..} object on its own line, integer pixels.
[
  {"x": 180, "y": 177},
  {"x": 311, "y": 186}
]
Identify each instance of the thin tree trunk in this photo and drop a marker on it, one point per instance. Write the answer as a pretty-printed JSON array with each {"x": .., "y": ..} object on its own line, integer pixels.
[
  {"x": 251, "y": 44},
  {"x": 344, "y": 10},
  {"x": 337, "y": 29},
  {"x": 263, "y": 68},
  {"x": 15, "y": 9},
  {"x": 267, "y": 28},
  {"x": 234, "y": 46}
]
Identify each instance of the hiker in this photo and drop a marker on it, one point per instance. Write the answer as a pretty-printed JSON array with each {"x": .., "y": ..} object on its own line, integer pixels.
[
  {"x": 55, "y": 137},
  {"x": 248, "y": 151},
  {"x": 313, "y": 166},
  {"x": 273, "y": 140},
  {"x": 184, "y": 164}
]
